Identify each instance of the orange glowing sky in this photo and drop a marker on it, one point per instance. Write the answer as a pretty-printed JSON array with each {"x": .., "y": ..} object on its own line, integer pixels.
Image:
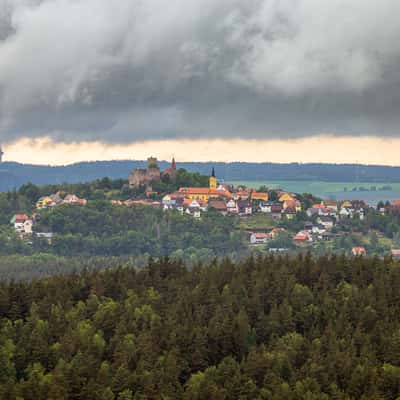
[{"x": 327, "y": 149}]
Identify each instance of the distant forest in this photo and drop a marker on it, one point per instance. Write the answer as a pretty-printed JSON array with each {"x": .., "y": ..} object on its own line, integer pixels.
[{"x": 13, "y": 175}]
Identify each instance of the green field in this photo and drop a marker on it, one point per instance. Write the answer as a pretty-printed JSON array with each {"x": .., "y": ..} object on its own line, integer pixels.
[{"x": 334, "y": 190}]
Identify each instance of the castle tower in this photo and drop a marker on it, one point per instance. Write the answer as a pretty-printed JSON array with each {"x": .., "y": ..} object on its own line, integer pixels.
[
  {"x": 152, "y": 163},
  {"x": 213, "y": 180}
]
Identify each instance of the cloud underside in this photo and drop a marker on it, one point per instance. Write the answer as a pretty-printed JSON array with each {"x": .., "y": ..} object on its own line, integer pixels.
[{"x": 130, "y": 70}]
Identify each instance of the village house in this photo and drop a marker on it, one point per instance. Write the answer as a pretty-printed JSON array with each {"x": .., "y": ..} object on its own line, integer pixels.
[
  {"x": 330, "y": 204},
  {"x": 318, "y": 229},
  {"x": 346, "y": 204},
  {"x": 284, "y": 196},
  {"x": 195, "y": 212},
  {"x": 325, "y": 212},
  {"x": 57, "y": 198},
  {"x": 395, "y": 253},
  {"x": 242, "y": 194},
  {"x": 232, "y": 207},
  {"x": 276, "y": 212},
  {"x": 326, "y": 236},
  {"x": 327, "y": 222},
  {"x": 264, "y": 207},
  {"x": 259, "y": 238},
  {"x": 313, "y": 211},
  {"x": 308, "y": 226},
  {"x": 258, "y": 196},
  {"x": 245, "y": 207},
  {"x": 360, "y": 212},
  {"x": 275, "y": 232},
  {"x": 302, "y": 237},
  {"x": 218, "y": 205},
  {"x": 289, "y": 213},
  {"x": 267, "y": 206},
  {"x": 382, "y": 210},
  {"x": 346, "y": 212},
  {"x": 358, "y": 251},
  {"x": 22, "y": 224},
  {"x": 45, "y": 202},
  {"x": 168, "y": 202},
  {"x": 295, "y": 204},
  {"x": 73, "y": 199},
  {"x": 47, "y": 236}
]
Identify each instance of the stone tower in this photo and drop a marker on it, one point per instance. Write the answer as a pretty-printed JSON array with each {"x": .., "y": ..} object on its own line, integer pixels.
[
  {"x": 145, "y": 176},
  {"x": 153, "y": 170}
]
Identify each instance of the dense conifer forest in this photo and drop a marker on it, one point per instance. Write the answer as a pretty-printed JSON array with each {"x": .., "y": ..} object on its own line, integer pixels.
[{"x": 267, "y": 328}]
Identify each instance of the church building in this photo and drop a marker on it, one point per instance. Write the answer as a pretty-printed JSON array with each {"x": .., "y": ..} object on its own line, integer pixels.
[{"x": 204, "y": 194}]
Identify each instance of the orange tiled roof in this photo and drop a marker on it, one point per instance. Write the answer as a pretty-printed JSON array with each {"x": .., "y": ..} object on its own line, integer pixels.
[
  {"x": 260, "y": 235},
  {"x": 205, "y": 191},
  {"x": 21, "y": 217},
  {"x": 292, "y": 203},
  {"x": 243, "y": 193},
  {"x": 259, "y": 195}
]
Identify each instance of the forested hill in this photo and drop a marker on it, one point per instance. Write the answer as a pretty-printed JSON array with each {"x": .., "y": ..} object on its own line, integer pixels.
[
  {"x": 268, "y": 328},
  {"x": 13, "y": 175}
]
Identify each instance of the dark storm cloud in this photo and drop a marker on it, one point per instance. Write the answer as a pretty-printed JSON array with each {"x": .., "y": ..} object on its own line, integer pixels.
[{"x": 135, "y": 69}]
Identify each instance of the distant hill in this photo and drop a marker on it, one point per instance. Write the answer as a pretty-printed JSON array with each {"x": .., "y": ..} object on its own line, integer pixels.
[{"x": 13, "y": 175}]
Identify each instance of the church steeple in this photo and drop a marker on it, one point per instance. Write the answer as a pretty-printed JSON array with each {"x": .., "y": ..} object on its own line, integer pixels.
[
  {"x": 173, "y": 164},
  {"x": 213, "y": 180},
  {"x": 1, "y": 154}
]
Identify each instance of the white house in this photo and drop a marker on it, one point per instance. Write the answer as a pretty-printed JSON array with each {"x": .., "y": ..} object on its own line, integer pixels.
[
  {"x": 168, "y": 202},
  {"x": 19, "y": 221},
  {"x": 232, "y": 207},
  {"x": 259, "y": 238},
  {"x": 327, "y": 222},
  {"x": 73, "y": 199},
  {"x": 318, "y": 229},
  {"x": 346, "y": 212},
  {"x": 245, "y": 207}
]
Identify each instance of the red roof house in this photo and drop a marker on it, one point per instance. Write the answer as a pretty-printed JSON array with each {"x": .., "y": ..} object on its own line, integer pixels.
[{"x": 359, "y": 251}]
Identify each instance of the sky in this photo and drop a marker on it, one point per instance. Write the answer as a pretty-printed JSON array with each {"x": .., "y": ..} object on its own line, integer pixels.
[{"x": 254, "y": 80}]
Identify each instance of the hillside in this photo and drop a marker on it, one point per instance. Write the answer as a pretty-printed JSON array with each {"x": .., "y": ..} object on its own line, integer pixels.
[{"x": 13, "y": 175}]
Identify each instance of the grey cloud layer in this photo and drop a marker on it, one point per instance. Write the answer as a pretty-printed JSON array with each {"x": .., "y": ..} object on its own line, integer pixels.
[{"x": 137, "y": 69}]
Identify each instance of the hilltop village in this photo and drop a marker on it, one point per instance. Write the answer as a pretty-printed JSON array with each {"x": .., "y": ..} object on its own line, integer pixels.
[{"x": 273, "y": 219}]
